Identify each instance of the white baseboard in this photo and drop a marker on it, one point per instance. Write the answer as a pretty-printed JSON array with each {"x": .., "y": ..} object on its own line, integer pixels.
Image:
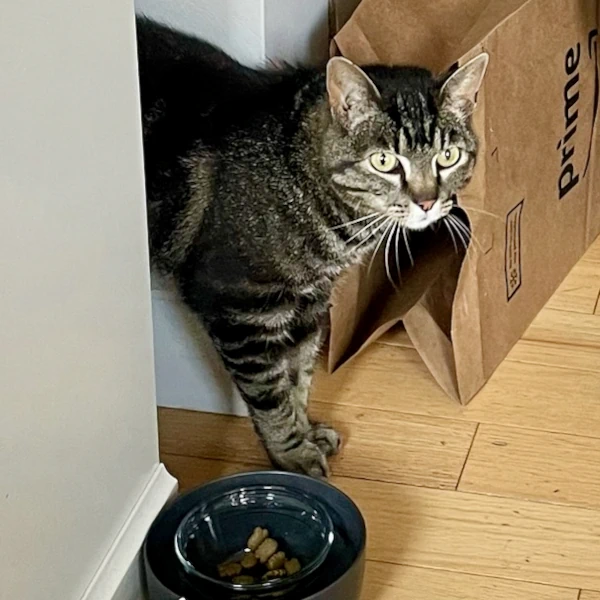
[{"x": 120, "y": 574}]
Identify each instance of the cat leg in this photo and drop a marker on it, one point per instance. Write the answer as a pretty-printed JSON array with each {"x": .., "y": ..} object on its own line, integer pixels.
[
  {"x": 281, "y": 421},
  {"x": 326, "y": 438},
  {"x": 273, "y": 375},
  {"x": 269, "y": 344}
]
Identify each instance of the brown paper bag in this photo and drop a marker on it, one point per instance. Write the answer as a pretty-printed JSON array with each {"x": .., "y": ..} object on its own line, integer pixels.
[
  {"x": 534, "y": 200},
  {"x": 339, "y": 13}
]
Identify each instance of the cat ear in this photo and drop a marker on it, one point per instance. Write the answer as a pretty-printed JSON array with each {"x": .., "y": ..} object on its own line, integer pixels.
[
  {"x": 460, "y": 89},
  {"x": 353, "y": 97}
]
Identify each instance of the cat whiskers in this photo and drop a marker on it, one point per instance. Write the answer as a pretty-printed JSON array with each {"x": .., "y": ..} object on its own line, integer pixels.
[
  {"x": 390, "y": 223},
  {"x": 360, "y": 220},
  {"x": 387, "y": 254},
  {"x": 396, "y": 246},
  {"x": 467, "y": 230},
  {"x": 466, "y": 208},
  {"x": 390, "y": 228},
  {"x": 371, "y": 234},
  {"x": 452, "y": 221},
  {"x": 405, "y": 235},
  {"x": 395, "y": 234},
  {"x": 367, "y": 226},
  {"x": 451, "y": 232},
  {"x": 479, "y": 211},
  {"x": 465, "y": 235},
  {"x": 391, "y": 237}
]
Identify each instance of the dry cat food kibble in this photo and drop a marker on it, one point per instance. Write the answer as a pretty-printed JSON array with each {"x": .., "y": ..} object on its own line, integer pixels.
[
  {"x": 266, "y": 550},
  {"x": 292, "y": 566},
  {"x": 249, "y": 561},
  {"x": 259, "y": 535},
  {"x": 275, "y": 574},
  {"x": 276, "y": 561},
  {"x": 261, "y": 560},
  {"x": 229, "y": 569}
]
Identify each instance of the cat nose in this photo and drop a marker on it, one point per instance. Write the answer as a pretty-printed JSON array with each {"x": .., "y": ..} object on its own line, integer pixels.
[{"x": 426, "y": 204}]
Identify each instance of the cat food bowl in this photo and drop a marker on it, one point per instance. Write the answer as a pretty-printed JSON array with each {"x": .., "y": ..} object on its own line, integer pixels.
[
  {"x": 215, "y": 536},
  {"x": 206, "y": 527}
]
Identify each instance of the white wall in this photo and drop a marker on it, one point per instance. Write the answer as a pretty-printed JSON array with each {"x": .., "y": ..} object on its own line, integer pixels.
[
  {"x": 251, "y": 30},
  {"x": 78, "y": 438},
  {"x": 189, "y": 373}
]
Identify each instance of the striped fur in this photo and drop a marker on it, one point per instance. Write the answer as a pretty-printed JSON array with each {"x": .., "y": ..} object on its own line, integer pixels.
[{"x": 260, "y": 194}]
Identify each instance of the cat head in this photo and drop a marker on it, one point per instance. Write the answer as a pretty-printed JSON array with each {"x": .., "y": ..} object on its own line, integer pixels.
[{"x": 400, "y": 143}]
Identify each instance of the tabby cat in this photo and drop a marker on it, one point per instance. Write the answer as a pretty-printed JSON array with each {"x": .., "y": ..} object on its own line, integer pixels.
[{"x": 264, "y": 185}]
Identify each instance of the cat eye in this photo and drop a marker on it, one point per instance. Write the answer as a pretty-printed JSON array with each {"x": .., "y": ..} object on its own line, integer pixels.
[
  {"x": 385, "y": 162},
  {"x": 448, "y": 158}
]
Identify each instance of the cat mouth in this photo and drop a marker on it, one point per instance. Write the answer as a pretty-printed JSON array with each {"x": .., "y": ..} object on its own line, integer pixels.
[{"x": 418, "y": 225}]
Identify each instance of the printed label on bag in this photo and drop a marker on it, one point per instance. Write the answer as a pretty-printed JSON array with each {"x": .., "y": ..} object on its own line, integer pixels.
[
  {"x": 512, "y": 253},
  {"x": 569, "y": 146}
]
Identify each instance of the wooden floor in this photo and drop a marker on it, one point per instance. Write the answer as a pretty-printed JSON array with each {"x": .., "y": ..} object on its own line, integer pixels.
[{"x": 496, "y": 501}]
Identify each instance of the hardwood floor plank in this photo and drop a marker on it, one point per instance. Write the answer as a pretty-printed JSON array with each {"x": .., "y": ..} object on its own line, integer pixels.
[
  {"x": 385, "y": 377},
  {"x": 460, "y": 532},
  {"x": 397, "y": 336},
  {"x": 535, "y": 465},
  {"x": 379, "y": 445},
  {"x": 481, "y": 535},
  {"x": 578, "y": 292},
  {"x": 207, "y": 435},
  {"x": 191, "y": 472},
  {"x": 385, "y": 581},
  {"x": 587, "y": 595},
  {"x": 593, "y": 252},
  {"x": 388, "y": 446},
  {"x": 564, "y": 328},
  {"x": 575, "y": 357},
  {"x": 520, "y": 394}
]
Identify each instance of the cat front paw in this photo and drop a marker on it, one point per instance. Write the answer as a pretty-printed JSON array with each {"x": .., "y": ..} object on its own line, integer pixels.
[
  {"x": 326, "y": 438},
  {"x": 306, "y": 458}
]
